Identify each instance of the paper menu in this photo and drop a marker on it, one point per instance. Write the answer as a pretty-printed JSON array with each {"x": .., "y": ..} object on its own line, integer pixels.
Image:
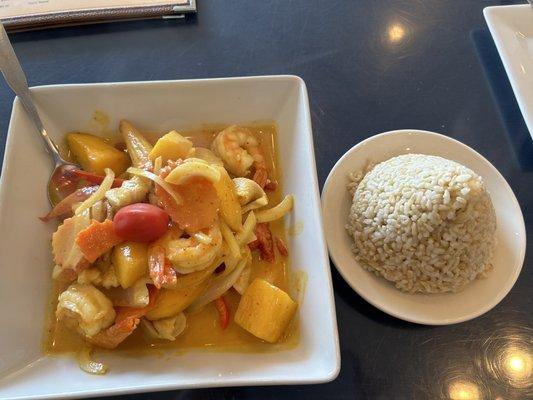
[
  {"x": 13, "y": 8},
  {"x": 32, "y": 13}
]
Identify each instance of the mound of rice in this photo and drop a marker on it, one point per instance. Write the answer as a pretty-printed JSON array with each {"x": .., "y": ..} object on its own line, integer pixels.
[{"x": 423, "y": 222}]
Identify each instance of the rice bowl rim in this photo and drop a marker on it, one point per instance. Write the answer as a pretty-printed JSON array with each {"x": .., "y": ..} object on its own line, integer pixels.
[{"x": 414, "y": 141}]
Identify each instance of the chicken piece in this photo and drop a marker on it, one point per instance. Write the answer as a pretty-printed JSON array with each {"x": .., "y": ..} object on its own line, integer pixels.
[
  {"x": 91, "y": 276},
  {"x": 67, "y": 255},
  {"x": 109, "y": 276},
  {"x": 102, "y": 273},
  {"x": 85, "y": 308}
]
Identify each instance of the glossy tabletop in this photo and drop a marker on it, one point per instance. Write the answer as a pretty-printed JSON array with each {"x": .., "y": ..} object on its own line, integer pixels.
[{"x": 370, "y": 66}]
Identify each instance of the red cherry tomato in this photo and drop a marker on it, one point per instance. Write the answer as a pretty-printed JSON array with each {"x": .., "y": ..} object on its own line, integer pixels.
[{"x": 140, "y": 222}]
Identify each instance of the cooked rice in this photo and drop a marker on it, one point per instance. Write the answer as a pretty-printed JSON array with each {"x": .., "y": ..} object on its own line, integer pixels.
[{"x": 423, "y": 222}]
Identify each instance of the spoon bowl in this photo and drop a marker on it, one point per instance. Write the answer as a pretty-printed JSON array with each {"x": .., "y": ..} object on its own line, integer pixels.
[
  {"x": 59, "y": 184},
  {"x": 62, "y": 182}
]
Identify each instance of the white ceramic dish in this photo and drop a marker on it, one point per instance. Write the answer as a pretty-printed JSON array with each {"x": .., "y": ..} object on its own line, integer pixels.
[
  {"x": 25, "y": 246},
  {"x": 512, "y": 30},
  {"x": 437, "y": 309}
]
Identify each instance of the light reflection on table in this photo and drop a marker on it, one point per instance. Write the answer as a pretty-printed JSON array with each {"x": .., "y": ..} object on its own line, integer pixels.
[
  {"x": 463, "y": 390},
  {"x": 396, "y": 32}
]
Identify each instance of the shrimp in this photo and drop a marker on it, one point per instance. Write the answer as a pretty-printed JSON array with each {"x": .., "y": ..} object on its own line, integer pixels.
[
  {"x": 190, "y": 254},
  {"x": 239, "y": 149},
  {"x": 85, "y": 308},
  {"x": 127, "y": 319},
  {"x": 160, "y": 271},
  {"x": 115, "y": 334}
]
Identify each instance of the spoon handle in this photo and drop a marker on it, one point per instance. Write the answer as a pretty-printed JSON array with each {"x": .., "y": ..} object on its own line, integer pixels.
[{"x": 15, "y": 78}]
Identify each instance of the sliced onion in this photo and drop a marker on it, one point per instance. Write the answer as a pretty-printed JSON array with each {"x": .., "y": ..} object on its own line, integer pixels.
[
  {"x": 229, "y": 264},
  {"x": 158, "y": 164},
  {"x": 99, "y": 194},
  {"x": 166, "y": 328},
  {"x": 170, "y": 328},
  {"x": 244, "y": 236},
  {"x": 218, "y": 287},
  {"x": 149, "y": 328},
  {"x": 86, "y": 362},
  {"x": 190, "y": 168},
  {"x": 202, "y": 237},
  {"x": 243, "y": 281},
  {"x": 229, "y": 237},
  {"x": 254, "y": 205},
  {"x": 276, "y": 212},
  {"x": 201, "y": 267},
  {"x": 135, "y": 296},
  {"x": 197, "y": 277},
  {"x": 153, "y": 177}
]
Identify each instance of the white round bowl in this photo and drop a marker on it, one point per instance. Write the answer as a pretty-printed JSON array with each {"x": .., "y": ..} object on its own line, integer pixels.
[{"x": 432, "y": 309}]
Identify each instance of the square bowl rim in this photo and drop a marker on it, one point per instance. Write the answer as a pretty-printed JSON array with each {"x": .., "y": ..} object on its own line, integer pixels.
[{"x": 333, "y": 369}]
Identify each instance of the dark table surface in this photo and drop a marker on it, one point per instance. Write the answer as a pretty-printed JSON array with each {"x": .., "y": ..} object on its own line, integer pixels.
[{"x": 370, "y": 66}]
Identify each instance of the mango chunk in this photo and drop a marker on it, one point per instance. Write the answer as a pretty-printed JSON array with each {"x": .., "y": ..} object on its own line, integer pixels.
[
  {"x": 94, "y": 155},
  {"x": 265, "y": 310},
  {"x": 130, "y": 260},
  {"x": 171, "y": 301},
  {"x": 172, "y": 146}
]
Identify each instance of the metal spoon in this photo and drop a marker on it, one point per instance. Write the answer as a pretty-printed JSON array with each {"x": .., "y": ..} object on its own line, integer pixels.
[{"x": 15, "y": 78}]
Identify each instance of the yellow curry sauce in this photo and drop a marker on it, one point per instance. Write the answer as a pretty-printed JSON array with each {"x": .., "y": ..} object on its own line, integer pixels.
[{"x": 203, "y": 329}]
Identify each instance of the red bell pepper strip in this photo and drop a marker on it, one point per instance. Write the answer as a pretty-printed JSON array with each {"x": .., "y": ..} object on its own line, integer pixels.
[
  {"x": 223, "y": 312},
  {"x": 95, "y": 178}
]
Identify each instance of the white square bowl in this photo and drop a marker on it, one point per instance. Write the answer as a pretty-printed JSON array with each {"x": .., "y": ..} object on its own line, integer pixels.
[
  {"x": 25, "y": 372},
  {"x": 512, "y": 30}
]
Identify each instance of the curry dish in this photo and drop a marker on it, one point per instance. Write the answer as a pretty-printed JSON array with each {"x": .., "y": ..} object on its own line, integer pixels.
[{"x": 175, "y": 242}]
